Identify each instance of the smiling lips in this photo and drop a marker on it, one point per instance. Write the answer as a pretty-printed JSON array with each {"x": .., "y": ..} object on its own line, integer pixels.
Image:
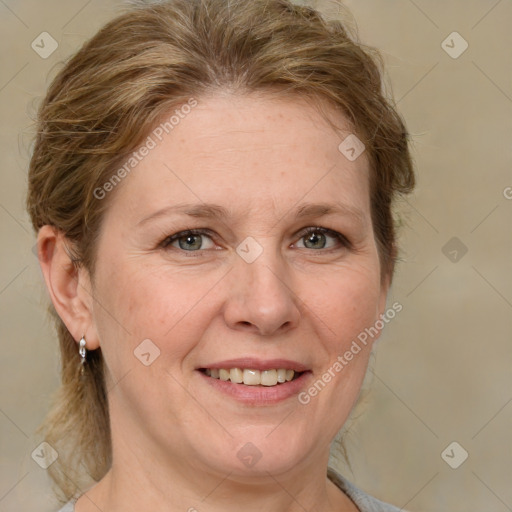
[
  {"x": 255, "y": 372},
  {"x": 252, "y": 377}
]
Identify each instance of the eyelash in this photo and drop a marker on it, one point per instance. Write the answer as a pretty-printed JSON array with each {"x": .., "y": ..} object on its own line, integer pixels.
[{"x": 343, "y": 241}]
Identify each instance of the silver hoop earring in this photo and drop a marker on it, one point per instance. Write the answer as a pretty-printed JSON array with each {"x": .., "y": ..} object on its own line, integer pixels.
[{"x": 83, "y": 353}]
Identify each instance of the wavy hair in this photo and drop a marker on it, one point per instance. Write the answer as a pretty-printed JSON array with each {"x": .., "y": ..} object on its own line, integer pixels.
[{"x": 113, "y": 92}]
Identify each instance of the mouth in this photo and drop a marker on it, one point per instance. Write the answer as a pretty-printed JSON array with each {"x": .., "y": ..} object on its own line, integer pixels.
[
  {"x": 256, "y": 382},
  {"x": 252, "y": 377}
]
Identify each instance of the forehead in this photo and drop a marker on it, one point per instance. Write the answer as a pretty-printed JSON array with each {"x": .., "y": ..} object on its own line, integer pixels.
[{"x": 250, "y": 152}]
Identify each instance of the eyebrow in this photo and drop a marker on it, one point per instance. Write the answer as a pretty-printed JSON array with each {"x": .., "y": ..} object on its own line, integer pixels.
[{"x": 213, "y": 211}]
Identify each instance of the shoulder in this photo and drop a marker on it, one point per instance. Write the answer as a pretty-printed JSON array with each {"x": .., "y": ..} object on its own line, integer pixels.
[
  {"x": 363, "y": 501},
  {"x": 68, "y": 507}
]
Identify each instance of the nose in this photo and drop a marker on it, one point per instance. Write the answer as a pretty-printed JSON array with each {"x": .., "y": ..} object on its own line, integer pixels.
[{"x": 261, "y": 299}]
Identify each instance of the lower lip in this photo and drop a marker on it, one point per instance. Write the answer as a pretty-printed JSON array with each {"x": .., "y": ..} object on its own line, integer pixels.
[{"x": 259, "y": 395}]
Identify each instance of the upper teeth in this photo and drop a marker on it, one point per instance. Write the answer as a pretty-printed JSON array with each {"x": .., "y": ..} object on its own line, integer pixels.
[{"x": 251, "y": 377}]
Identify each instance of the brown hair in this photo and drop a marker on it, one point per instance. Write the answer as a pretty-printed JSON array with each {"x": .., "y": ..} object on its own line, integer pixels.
[{"x": 115, "y": 89}]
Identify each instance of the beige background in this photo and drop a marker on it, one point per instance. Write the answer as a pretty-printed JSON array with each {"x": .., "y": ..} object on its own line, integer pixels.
[{"x": 442, "y": 370}]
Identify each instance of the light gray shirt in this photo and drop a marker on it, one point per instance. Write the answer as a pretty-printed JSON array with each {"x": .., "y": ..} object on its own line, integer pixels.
[{"x": 363, "y": 501}]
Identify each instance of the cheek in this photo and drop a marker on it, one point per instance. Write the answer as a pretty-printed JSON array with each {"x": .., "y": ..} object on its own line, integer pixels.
[
  {"x": 174, "y": 308},
  {"x": 345, "y": 304},
  {"x": 139, "y": 302}
]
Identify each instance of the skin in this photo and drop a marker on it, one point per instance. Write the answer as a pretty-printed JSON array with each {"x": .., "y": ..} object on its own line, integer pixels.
[{"x": 175, "y": 439}]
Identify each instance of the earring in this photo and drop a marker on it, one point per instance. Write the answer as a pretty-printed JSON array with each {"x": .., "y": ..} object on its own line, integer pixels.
[{"x": 83, "y": 353}]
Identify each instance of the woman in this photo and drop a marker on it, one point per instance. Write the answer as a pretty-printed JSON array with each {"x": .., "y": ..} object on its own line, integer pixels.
[{"x": 212, "y": 186}]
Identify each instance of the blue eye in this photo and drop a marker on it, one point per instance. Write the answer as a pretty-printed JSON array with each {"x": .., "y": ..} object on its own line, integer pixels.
[
  {"x": 190, "y": 240},
  {"x": 318, "y": 238},
  {"x": 315, "y": 238}
]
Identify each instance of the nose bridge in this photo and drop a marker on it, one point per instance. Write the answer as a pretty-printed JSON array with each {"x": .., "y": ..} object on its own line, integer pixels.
[
  {"x": 261, "y": 295},
  {"x": 266, "y": 284}
]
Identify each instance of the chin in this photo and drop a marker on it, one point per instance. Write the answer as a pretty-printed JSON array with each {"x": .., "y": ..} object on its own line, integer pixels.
[{"x": 258, "y": 455}]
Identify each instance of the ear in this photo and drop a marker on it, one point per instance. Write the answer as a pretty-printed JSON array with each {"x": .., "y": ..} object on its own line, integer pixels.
[{"x": 69, "y": 285}]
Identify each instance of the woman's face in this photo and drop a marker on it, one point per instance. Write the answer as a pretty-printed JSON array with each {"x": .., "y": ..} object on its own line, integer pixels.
[{"x": 249, "y": 175}]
